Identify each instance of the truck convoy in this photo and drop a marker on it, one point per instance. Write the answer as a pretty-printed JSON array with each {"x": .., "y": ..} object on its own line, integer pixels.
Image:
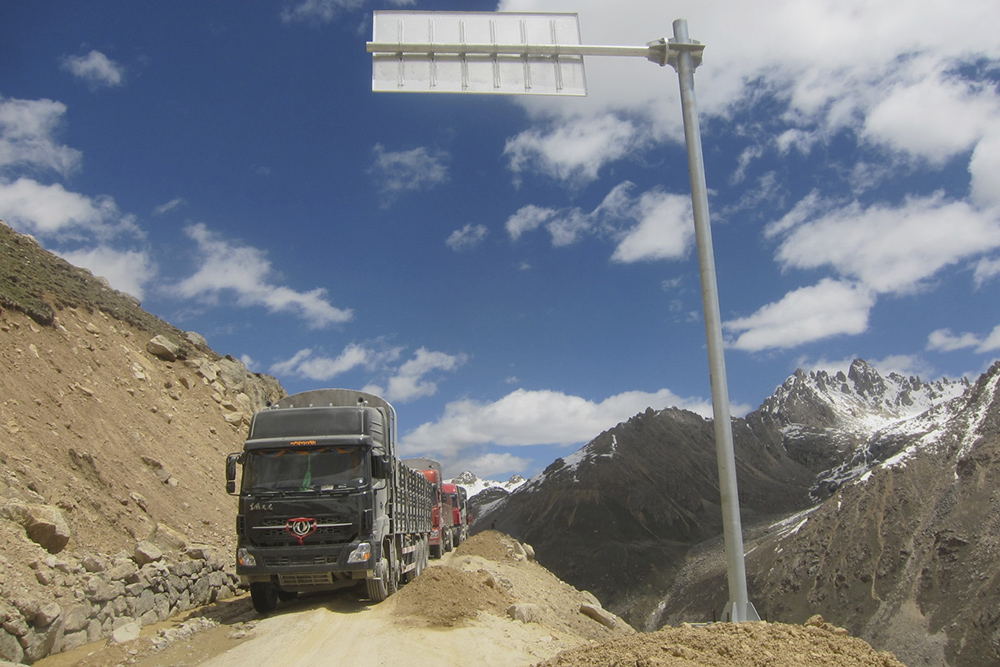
[
  {"x": 324, "y": 502},
  {"x": 442, "y": 518}
]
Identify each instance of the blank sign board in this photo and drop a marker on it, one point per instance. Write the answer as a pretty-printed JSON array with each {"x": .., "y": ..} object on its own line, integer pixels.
[{"x": 476, "y": 52}]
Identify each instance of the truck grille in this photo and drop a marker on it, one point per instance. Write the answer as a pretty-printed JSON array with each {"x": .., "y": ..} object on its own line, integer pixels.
[
  {"x": 306, "y": 579},
  {"x": 271, "y": 532},
  {"x": 289, "y": 560}
]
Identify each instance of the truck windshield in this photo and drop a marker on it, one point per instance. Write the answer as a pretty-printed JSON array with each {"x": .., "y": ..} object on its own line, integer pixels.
[{"x": 315, "y": 469}]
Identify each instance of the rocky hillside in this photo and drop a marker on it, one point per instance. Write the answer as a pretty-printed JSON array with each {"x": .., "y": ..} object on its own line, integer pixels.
[
  {"x": 114, "y": 427},
  {"x": 881, "y": 492}
]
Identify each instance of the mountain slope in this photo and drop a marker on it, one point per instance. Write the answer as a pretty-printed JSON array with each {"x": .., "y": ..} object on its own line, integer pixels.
[{"x": 618, "y": 516}]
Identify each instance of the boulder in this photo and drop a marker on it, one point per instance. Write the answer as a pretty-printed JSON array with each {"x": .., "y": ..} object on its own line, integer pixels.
[
  {"x": 164, "y": 348},
  {"x": 10, "y": 648},
  {"x": 44, "y": 524},
  {"x": 147, "y": 552},
  {"x": 605, "y": 618},
  {"x": 125, "y": 633},
  {"x": 167, "y": 538}
]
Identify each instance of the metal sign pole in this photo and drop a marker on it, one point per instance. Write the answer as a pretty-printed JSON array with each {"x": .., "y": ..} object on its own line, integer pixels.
[
  {"x": 739, "y": 608},
  {"x": 508, "y": 53}
]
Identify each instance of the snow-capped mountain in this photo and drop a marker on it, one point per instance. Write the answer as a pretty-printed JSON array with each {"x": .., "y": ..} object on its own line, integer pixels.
[
  {"x": 862, "y": 401},
  {"x": 474, "y": 485}
]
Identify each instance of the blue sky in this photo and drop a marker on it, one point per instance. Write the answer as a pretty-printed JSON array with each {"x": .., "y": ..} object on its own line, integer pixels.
[{"x": 518, "y": 274}]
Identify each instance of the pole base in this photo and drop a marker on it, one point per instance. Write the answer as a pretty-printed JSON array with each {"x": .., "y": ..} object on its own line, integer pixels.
[{"x": 736, "y": 613}]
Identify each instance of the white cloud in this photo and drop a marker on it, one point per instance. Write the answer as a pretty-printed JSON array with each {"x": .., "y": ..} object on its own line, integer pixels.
[
  {"x": 26, "y": 136},
  {"x": 871, "y": 72},
  {"x": 397, "y": 172},
  {"x": 525, "y": 417},
  {"x": 943, "y": 340},
  {"x": 318, "y": 10},
  {"x": 573, "y": 151},
  {"x": 984, "y": 168},
  {"x": 325, "y": 11},
  {"x": 126, "y": 270},
  {"x": 527, "y": 219},
  {"x": 653, "y": 225},
  {"x": 305, "y": 364},
  {"x": 986, "y": 269},
  {"x": 490, "y": 464},
  {"x": 804, "y": 315},
  {"x": 467, "y": 237},
  {"x": 888, "y": 248},
  {"x": 226, "y": 267},
  {"x": 410, "y": 381},
  {"x": 51, "y": 210},
  {"x": 665, "y": 229},
  {"x": 932, "y": 117},
  {"x": 96, "y": 69},
  {"x": 171, "y": 205},
  {"x": 407, "y": 382}
]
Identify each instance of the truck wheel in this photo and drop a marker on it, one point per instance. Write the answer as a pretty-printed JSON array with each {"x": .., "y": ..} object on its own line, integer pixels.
[
  {"x": 264, "y": 596},
  {"x": 378, "y": 586},
  {"x": 435, "y": 551},
  {"x": 448, "y": 542}
]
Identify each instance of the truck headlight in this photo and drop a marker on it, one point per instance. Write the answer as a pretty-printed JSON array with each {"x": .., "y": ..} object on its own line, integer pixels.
[
  {"x": 361, "y": 553},
  {"x": 245, "y": 558}
]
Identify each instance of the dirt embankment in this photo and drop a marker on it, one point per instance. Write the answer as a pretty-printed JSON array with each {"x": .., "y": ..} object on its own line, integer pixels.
[{"x": 462, "y": 611}]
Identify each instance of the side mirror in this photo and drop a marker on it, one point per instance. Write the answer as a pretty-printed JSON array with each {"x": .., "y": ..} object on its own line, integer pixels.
[
  {"x": 231, "y": 462},
  {"x": 381, "y": 466}
]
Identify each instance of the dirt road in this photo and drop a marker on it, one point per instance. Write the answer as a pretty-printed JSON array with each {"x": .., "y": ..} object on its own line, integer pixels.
[{"x": 454, "y": 613}]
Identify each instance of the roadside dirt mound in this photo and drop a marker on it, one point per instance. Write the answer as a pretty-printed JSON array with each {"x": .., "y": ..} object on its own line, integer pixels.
[
  {"x": 731, "y": 645},
  {"x": 490, "y": 545},
  {"x": 443, "y": 596}
]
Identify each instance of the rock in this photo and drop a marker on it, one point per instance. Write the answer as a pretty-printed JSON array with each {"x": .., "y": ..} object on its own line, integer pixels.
[
  {"x": 126, "y": 633},
  {"x": 44, "y": 524},
  {"x": 10, "y": 648},
  {"x": 92, "y": 563},
  {"x": 47, "y": 614},
  {"x": 201, "y": 552},
  {"x": 167, "y": 538},
  {"x": 605, "y": 618},
  {"x": 164, "y": 348},
  {"x": 76, "y": 618},
  {"x": 146, "y": 552},
  {"x": 525, "y": 612},
  {"x": 196, "y": 339}
]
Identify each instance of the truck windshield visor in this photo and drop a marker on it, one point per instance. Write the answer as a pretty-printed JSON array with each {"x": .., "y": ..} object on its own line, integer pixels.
[{"x": 305, "y": 470}]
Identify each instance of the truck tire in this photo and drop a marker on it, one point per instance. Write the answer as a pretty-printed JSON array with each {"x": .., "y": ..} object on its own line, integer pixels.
[
  {"x": 449, "y": 542},
  {"x": 436, "y": 551},
  {"x": 378, "y": 586},
  {"x": 264, "y": 596}
]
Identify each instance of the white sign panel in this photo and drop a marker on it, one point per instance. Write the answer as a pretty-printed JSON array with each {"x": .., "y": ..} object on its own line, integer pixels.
[{"x": 476, "y": 52}]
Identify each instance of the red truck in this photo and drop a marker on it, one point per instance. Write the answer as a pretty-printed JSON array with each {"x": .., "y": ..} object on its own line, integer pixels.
[
  {"x": 459, "y": 498},
  {"x": 443, "y": 528}
]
